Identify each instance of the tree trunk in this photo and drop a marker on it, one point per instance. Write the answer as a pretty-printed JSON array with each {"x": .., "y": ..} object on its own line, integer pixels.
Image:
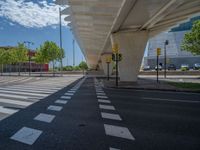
[
  {"x": 9, "y": 69},
  {"x": 1, "y": 69},
  {"x": 19, "y": 68},
  {"x": 53, "y": 69}
]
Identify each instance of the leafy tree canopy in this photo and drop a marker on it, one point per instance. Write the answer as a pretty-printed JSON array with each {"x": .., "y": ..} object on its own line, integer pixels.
[{"x": 191, "y": 41}]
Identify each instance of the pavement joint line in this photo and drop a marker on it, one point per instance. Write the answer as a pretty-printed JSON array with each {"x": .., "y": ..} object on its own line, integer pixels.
[
  {"x": 54, "y": 108},
  {"x": 65, "y": 97},
  {"x": 118, "y": 131},
  {"x": 170, "y": 100},
  {"x": 98, "y": 96},
  {"x": 61, "y": 101},
  {"x": 111, "y": 116},
  {"x": 104, "y": 101},
  {"x": 44, "y": 117},
  {"x": 108, "y": 107},
  {"x": 27, "y": 135}
]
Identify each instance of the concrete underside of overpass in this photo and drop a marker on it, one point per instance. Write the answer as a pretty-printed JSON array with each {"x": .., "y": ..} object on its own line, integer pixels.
[{"x": 98, "y": 24}]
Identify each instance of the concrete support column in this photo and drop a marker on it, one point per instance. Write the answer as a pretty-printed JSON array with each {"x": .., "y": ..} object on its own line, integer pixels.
[
  {"x": 104, "y": 58},
  {"x": 131, "y": 46}
]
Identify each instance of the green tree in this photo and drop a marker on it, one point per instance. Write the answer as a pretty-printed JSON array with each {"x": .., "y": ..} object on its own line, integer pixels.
[
  {"x": 51, "y": 53},
  {"x": 83, "y": 65},
  {"x": 2, "y": 59},
  {"x": 191, "y": 41},
  {"x": 20, "y": 55}
]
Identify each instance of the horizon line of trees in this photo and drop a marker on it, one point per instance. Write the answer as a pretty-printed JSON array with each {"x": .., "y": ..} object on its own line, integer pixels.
[{"x": 46, "y": 53}]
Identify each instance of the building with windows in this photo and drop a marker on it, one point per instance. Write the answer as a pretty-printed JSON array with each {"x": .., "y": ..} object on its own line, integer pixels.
[{"x": 173, "y": 50}]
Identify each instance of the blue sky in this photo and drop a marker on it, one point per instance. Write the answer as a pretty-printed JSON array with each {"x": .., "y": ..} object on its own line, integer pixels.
[{"x": 35, "y": 21}]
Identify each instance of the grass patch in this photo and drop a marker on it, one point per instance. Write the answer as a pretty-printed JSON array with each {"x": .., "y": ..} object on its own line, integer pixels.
[{"x": 184, "y": 85}]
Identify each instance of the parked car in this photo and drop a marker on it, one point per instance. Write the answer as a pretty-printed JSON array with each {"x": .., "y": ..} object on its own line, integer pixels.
[
  {"x": 159, "y": 67},
  {"x": 146, "y": 68},
  {"x": 196, "y": 66},
  {"x": 171, "y": 67},
  {"x": 185, "y": 67}
]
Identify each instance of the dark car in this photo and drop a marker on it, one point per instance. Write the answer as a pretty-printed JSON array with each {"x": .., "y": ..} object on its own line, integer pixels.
[
  {"x": 196, "y": 66},
  {"x": 171, "y": 67}
]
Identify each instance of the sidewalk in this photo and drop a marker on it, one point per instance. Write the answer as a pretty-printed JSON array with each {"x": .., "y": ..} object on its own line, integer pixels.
[{"x": 145, "y": 84}]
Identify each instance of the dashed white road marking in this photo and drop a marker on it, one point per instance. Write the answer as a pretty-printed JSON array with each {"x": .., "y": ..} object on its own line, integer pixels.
[
  {"x": 61, "y": 101},
  {"x": 26, "y": 135},
  {"x": 98, "y": 96},
  {"x": 103, "y": 101},
  {"x": 55, "y": 108},
  {"x": 113, "y": 148},
  {"x": 110, "y": 116},
  {"x": 70, "y": 94},
  {"x": 7, "y": 110},
  {"x": 65, "y": 97},
  {"x": 118, "y": 131},
  {"x": 44, "y": 117},
  {"x": 107, "y": 107},
  {"x": 71, "y": 91},
  {"x": 101, "y": 93}
]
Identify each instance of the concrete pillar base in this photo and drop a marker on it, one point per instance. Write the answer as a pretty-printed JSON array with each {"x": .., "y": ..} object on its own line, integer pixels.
[{"x": 131, "y": 46}]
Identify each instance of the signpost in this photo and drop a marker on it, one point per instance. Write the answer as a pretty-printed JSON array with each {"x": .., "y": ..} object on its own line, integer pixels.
[
  {"x": 108, "y": 61},
  {"x": 116, "y": 56},
  {"x": 158, "y": 51},
  {"x": 165, "y": 57}
]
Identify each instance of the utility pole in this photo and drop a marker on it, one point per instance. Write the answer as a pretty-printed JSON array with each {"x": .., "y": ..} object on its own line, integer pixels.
[
  {"x": 61, "y": 69},
  {"x": 158, "y": 51},
  {"x": 73, "y": 53},
  {"x": 165, "y": 58},
  {"x": 29, "y": 55}
]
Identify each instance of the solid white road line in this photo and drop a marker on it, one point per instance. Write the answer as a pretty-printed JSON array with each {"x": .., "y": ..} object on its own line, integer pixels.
[
  {"x": 16, "y": 102},
  {"x": 118, "y": 131},
  {"x": 106, "y": 107},
  {"x": 61, "y": 101},
  {"x": 44, "y": 117},
  {"x": 65, "y": 97},
  {"x": 170, "y": 100},
  {"x": 103, "y": 101},
  {"x": 7, "y": 110},
  {"x": 55, "y": 108},
  {"x": 27, "y": 135},
  {"x": 101, "y": 96},
  {"x": 110, "y": 116}
]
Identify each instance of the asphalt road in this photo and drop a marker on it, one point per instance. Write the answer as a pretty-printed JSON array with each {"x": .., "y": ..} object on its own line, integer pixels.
[{"x": 95, "y": 118}]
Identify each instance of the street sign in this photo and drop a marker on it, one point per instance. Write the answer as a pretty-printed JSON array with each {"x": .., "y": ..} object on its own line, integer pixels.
[
  {"x": 108, "y": 59},
  {"x": 158, "y": 51},
  {"x": 115, "y": 48}
]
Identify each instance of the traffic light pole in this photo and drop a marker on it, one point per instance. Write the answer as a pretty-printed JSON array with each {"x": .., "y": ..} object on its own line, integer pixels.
[
  {"x": 116, "y": 69},
  {"x": 108, "y": 76},
  {"x": 157, "y": 68}
]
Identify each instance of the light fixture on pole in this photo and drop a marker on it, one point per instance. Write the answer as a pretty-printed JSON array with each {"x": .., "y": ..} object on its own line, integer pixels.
[{"x": 29, "y": 54}]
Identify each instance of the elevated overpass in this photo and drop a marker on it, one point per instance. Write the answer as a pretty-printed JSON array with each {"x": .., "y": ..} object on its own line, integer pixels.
[{"x": 98, "y": 24}]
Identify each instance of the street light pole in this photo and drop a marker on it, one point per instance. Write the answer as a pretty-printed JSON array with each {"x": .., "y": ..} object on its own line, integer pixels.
[
  {"x": 60, "y": 38},
  {"x": 165, "y": 58},
  {"x": 73, "y": 53},
  {"x": 29, "y": 43}
]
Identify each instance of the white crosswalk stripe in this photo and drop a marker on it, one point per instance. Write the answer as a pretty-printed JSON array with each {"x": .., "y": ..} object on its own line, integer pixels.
[{"x": 14, "y": 97}]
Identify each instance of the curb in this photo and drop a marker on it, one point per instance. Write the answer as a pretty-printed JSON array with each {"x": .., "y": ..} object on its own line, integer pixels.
[{"x": 151, "y": 89}]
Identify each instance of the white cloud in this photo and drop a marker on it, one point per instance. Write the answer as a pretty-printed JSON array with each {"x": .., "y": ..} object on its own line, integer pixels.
[{"x": 29, "y": 14}]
